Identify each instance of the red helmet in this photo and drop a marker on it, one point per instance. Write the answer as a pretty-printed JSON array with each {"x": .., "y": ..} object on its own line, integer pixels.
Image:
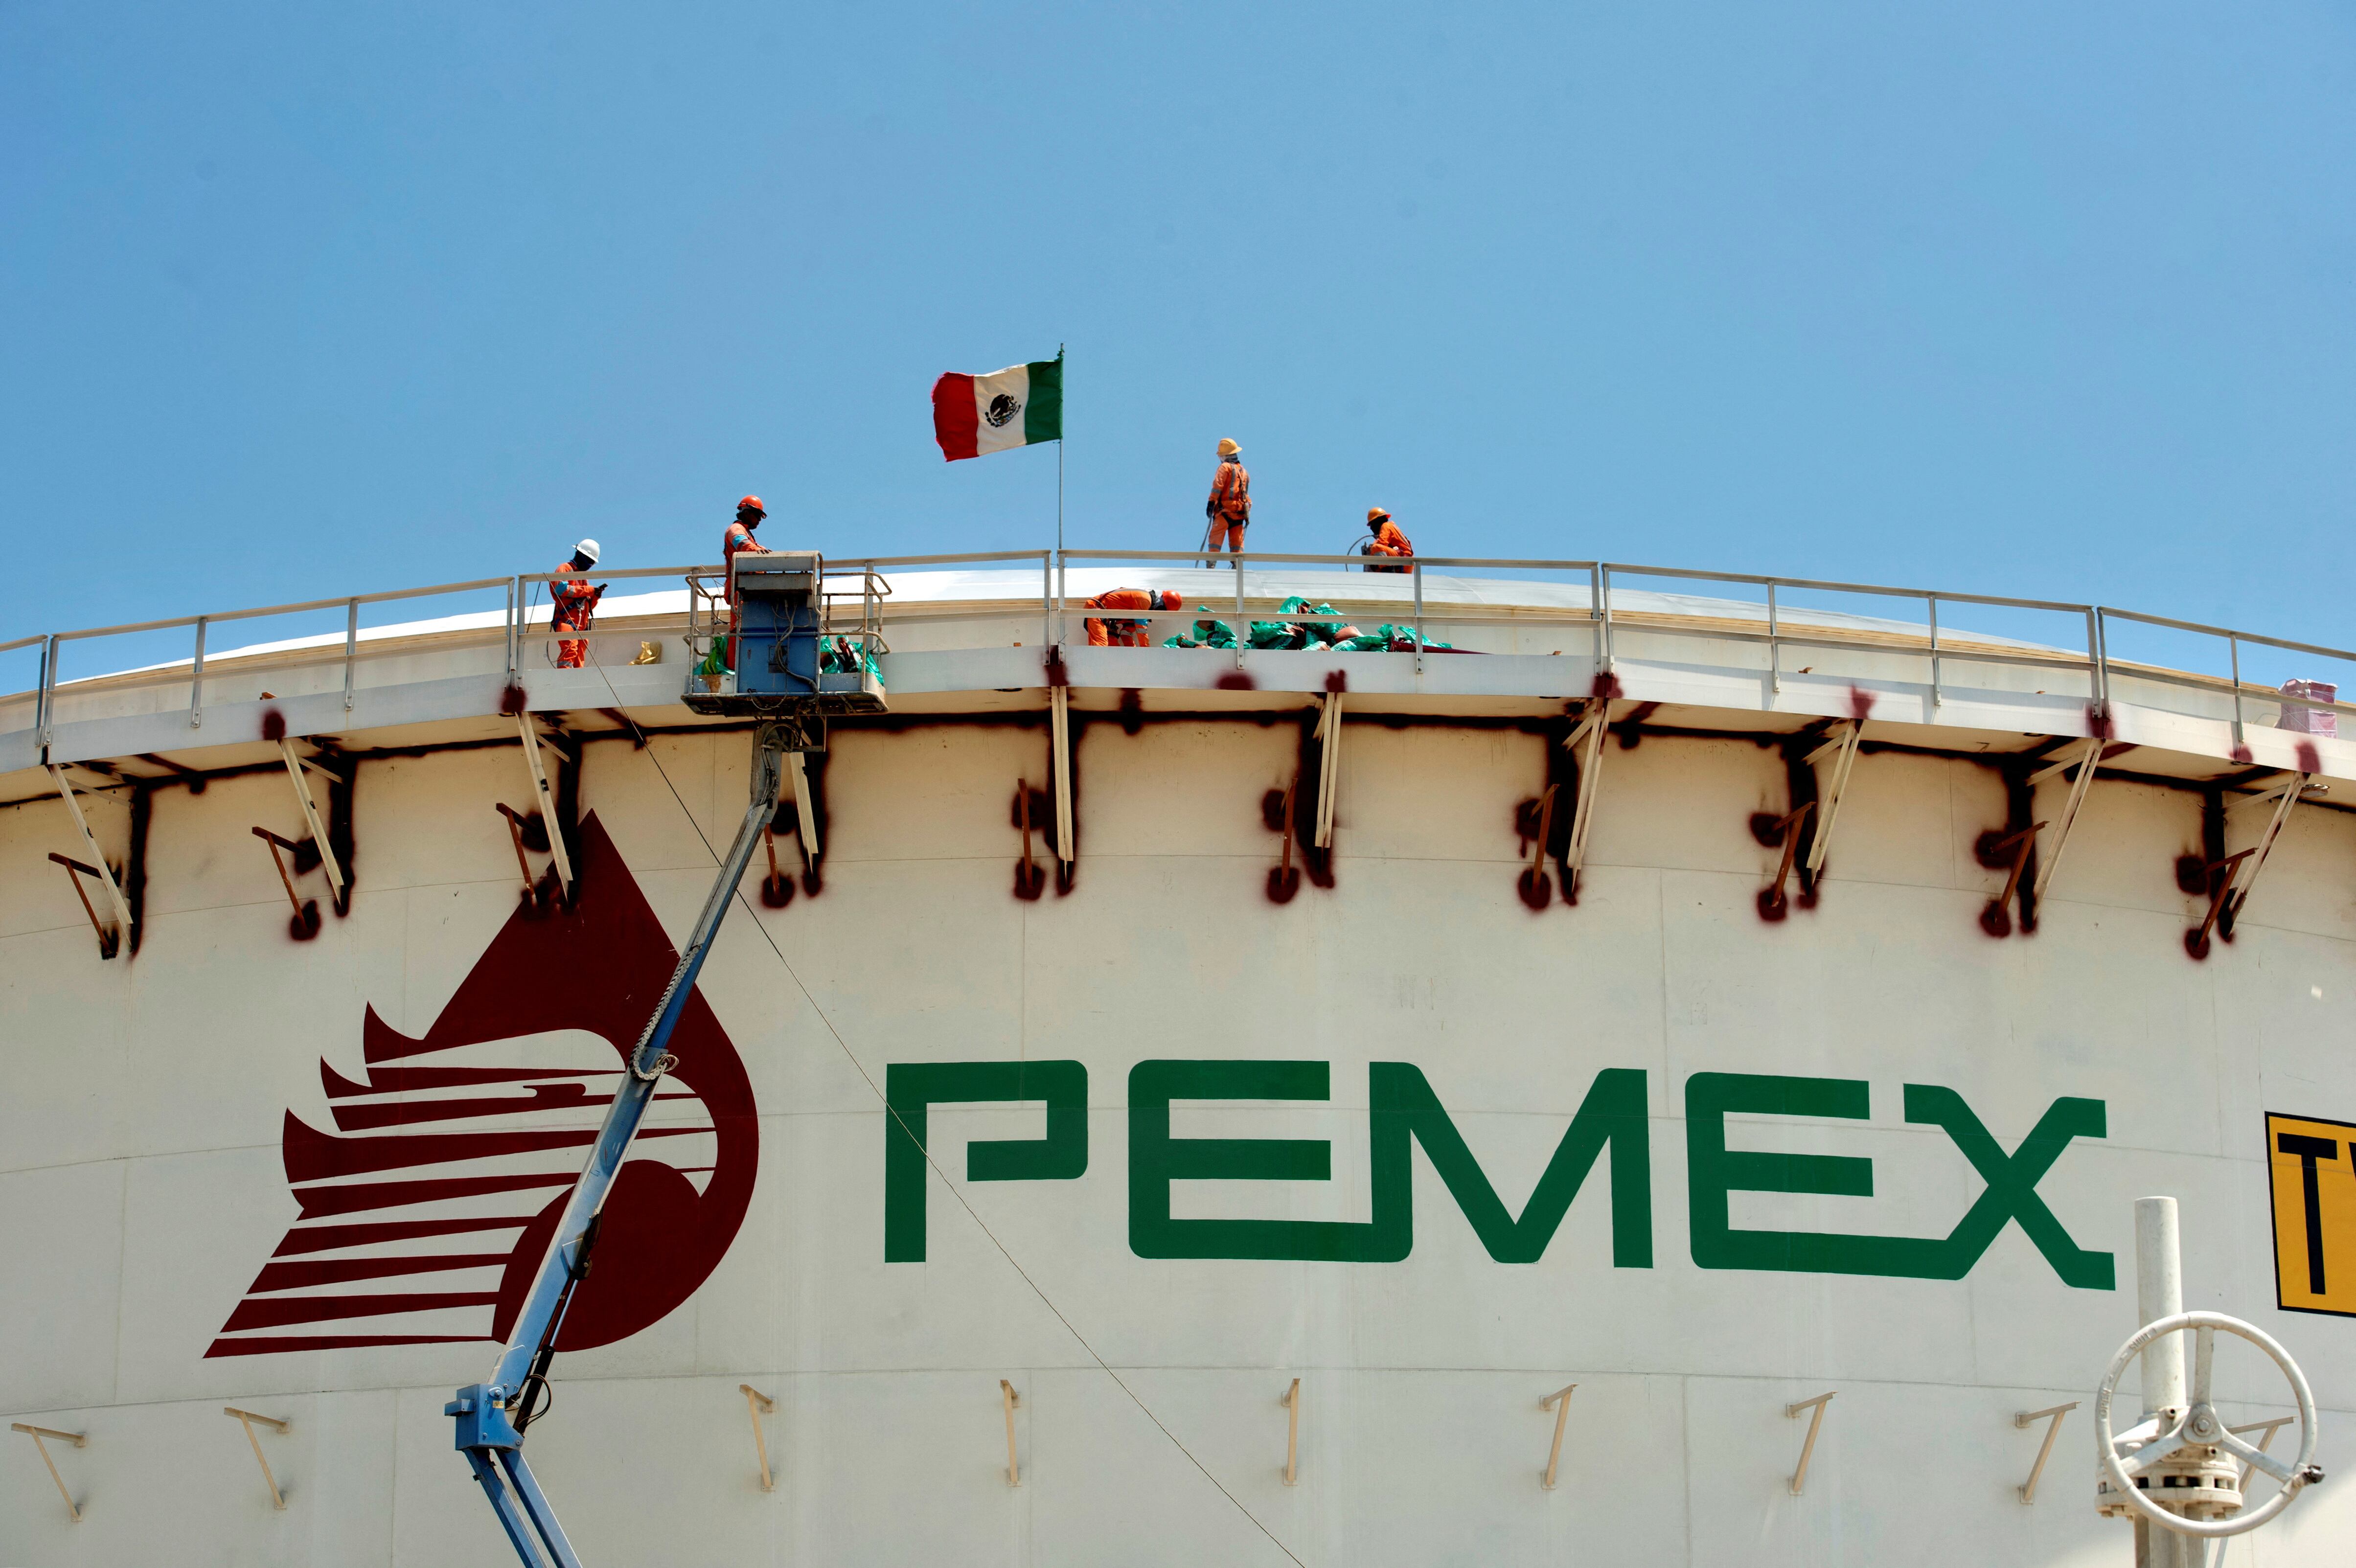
[
  {"x": 1172, "y": 602},
  {"x": 752, "y": 503}
]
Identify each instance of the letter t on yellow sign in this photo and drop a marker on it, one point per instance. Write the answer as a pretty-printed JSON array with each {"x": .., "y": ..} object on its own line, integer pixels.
[{"x": 2312, "y": 1169}]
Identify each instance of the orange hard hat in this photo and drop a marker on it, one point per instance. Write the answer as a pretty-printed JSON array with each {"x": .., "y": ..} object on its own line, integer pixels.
[
  {"x": 1377, "y": 515},
  {"x": 1173, "y": 602},
  {"x": 752, "y": 503}
]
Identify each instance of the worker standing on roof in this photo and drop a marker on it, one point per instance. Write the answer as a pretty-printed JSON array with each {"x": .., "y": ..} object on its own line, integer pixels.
[
  {"x": 576, "y": 606},
  {"x": 1229, "y": 508},
  {"x": 734, "y": 543},
  {"x": 1110, "y": 634},
  {"x": 1388, "y": 541}
]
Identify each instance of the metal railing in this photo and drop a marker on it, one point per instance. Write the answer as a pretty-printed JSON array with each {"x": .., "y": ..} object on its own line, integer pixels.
[{"x": 1607, "y": 611}]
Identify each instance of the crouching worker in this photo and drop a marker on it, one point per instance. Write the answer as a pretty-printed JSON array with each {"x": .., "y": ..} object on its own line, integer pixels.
[
  {"x": 576, "y": 606},
  {"x": 1388, "y": 541},
  {"x": 1107, "y": 632}
]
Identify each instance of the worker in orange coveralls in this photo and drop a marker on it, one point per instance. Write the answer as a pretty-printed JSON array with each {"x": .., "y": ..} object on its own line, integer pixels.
[
  {"x": 1229, "y": 508},
  {"x": 734, "y": 543},
  {"x": 1388, "y": 540},
  {"x": 576, "y": 606},
  {"x": 1110, "y": 634}
]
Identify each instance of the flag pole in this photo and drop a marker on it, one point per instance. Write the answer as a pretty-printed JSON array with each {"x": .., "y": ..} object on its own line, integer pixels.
[{"x": 1059, "y": 453}]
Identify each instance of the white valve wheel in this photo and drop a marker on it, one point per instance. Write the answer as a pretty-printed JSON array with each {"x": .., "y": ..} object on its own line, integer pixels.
[{"x": 2201, "y": 1425}]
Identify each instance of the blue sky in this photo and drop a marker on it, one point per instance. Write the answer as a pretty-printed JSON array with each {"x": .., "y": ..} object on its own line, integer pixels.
[{"x": 2042, "y": 299}]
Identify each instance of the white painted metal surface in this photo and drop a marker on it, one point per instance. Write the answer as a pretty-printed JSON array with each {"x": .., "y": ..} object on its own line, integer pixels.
[{"x": 145, "y": 1181}]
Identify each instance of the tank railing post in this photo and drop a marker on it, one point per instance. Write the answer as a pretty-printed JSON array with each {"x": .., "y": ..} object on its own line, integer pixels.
[
  {"x": 352, "y": 646},
  {"x": 2045, "y": 1449},
  {"x": 1046, "y": 599},
  {"x": 1243, "y": 627},
  {"x": 515, "y": 625},
  {"x": 1560, "y": 1403},
  {"x": 1416, "y": 567},
  {"x": 43, "y": 703},
  {"x": 2094, "y": 657},
  {"x": 1937, "y": 700},
  {"x": 1808, "y": 1446},
  {"x": 1774, "y": 649},
  {"x": 1603, "y": 592},
  {"x": 197, "y": 679},
  {"x": 2234, "y": 650}
]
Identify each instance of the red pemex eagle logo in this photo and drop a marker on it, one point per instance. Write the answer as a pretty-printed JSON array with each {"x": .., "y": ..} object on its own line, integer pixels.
[{"x": 426, "y": 1210}]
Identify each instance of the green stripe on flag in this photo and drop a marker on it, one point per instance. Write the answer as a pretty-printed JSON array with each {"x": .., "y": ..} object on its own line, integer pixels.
[{"x": 1042, "y": 415}]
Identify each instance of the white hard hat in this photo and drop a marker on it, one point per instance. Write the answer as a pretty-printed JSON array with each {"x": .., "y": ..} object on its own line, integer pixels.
[{"x": 587, "y": 547}]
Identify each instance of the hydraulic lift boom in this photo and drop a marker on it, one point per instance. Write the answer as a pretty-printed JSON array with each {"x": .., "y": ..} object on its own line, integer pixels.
[
  {"x": 493, "y": 1416},
  {"x": 774, "y": 662}
]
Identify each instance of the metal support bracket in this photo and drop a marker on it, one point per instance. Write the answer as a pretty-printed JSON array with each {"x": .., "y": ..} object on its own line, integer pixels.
[
  {"x": 2087, "y": 763},
  {"x": 1328, "y": 735},
  {"x": 1292, "y": 1403},
  {"x": 75, "y": 871},
  {"x": 1535, "y": 888},
  {"x": 1808, "y": 1446},
  {"x": 547, "y": 799},
  {"x": 1847, "y": 737},
  {"x": 2220, "y": 875},
  {"x": 757, "y": 1405},
  {"x": 2267, "y": 1427},
  {"x": 2285, "y": 793},
  {"x": 1586, "y": 741},
  {"x": 1560, "y": 1403},
  {"x": 515, "y": 834},
  {"x": 1772, "y": 902},
  {"x": 286, "y": 878},
  {"x": 2045, "y": 1449},
  {"x": 1030, "y": 882},
  {"x": 805, "y": 820},
  {"x": 1010, "y": 1401},
  {"x": 1059, "y": 725},
  {"x": 79, "y": 1439},
  {"x": 246, "y": 1419},
  {"x": 97, "y": 867},
  {"x": 294, "y": 766},
  {"x": 1997, "y": 918}
]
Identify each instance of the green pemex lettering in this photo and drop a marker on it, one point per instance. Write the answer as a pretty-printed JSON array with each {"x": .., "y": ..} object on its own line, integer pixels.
[
  {"x": 911, "y": 1088},
  {"x": 1402, "y": 1109},
  {"x": 1713, "y": 1171}
]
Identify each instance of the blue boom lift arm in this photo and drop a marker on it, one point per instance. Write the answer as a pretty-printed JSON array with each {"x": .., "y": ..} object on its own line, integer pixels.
[{"x": 493, "y": 1416}]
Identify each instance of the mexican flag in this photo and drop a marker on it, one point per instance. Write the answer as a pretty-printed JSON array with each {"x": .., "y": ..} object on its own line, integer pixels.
[{"x": 1013, "y": 407}]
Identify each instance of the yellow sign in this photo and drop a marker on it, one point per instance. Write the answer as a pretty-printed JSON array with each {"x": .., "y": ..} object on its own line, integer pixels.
[{"x": 2314, "y": 1168}]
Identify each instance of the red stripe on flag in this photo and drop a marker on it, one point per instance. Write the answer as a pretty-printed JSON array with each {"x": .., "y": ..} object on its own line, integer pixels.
[{"x": 955, "y": 425}]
